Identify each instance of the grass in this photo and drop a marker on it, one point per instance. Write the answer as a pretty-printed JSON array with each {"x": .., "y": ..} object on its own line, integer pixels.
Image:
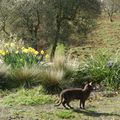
[
  {"x": 25, "y": 76},
  {"x": 56, "y": 76},
  {"x": 105, "y": 36},
  {"x": 65, "y": 114},
  {"x": 103, "y": 107},
  {"x": 27, "y": 97}
]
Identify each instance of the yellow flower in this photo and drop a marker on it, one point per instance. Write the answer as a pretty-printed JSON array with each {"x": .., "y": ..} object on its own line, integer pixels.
[
  {"x": 42, "y": 52},
  {"x": 2, "y": 52},
  {"x": 25, "y": 50},
  {"x": 47, "y": 56},
  {"x": 31, "y": 49},
  {"x": 36, "y": 52}
]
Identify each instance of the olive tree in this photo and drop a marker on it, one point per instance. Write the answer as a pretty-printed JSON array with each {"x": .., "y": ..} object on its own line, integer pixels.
[
  {"x": 111, "y": 7},
  {"x": 6, "y": 9},
  {"x": 49, "y": 20},
  {"x": 70, "y": 10}
]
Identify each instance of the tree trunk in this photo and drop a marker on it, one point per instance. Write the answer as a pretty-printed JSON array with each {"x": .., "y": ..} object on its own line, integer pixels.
[
  {"x": 55, "y": 40},
  {"x": 111, "y": 20},
  {"x": 110, "y": 16}
]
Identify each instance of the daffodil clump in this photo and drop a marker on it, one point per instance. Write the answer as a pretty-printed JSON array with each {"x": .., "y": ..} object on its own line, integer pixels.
[{"x": 19, "y": 56}]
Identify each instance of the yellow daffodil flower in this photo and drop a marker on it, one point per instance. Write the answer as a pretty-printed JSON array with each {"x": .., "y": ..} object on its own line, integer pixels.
[
  {"x": 47, "y": 56},
  {"x": 25, "y": 50},
  {"x": 36, "y": 52},
  {"x": 42, "y": 52},
  {"x": 2, "y": 52}
]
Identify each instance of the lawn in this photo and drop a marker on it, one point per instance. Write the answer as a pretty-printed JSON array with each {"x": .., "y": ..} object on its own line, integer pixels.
[{"x": 101, "y": 106}]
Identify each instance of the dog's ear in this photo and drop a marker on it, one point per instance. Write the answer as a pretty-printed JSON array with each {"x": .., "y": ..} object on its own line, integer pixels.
[{"x": 91, "y": 83}]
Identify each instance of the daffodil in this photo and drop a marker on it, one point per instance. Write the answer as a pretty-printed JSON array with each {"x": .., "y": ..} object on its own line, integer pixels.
[
  {"x": 47, "y": 56},
  {"x": 25, "y": 50},
  {"x": 31, "y": 49},
  {"x": 42, "y": 52},
  {"x": 2, "y": 52},
  {"x": 36, "y": 52}
]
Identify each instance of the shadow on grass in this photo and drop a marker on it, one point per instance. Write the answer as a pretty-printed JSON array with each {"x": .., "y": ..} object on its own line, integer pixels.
[{"x": 94, "y": 113}]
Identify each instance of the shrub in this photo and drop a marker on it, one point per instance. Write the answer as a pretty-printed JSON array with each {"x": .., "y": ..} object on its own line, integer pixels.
[{"x": 104, "y": 68}]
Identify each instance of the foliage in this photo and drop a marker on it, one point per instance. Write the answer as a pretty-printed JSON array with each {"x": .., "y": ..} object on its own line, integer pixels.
[
  {"x": 18, "y": 56},
  {"x": 69, "y": 13},
  {"x": 104, "y": 67}
]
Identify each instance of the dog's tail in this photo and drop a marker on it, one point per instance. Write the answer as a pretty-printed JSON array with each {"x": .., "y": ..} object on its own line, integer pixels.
[{"x": 59, "y": 101}]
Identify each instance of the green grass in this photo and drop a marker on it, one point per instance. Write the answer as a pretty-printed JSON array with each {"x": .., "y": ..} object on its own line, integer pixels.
[
  {"x": 27, "y": 97},
  {"x": 65, "y": 114},
  {"x": 102, "y": 106}
]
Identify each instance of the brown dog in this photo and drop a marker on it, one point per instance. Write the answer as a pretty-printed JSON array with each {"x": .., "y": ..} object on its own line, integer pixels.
[{"x": 68, "y": 95}]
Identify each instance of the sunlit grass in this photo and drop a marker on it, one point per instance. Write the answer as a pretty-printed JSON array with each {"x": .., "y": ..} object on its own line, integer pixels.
[{"x": 23, "y": 96}]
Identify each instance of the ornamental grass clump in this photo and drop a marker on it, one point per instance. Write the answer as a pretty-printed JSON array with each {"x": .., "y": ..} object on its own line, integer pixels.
[
  {"x": 57, "y": 75},
  {"x": 26, "y": 76}
]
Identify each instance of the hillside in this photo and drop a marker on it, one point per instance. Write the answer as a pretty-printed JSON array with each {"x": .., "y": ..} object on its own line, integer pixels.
[{"x": 106, "y": 36}]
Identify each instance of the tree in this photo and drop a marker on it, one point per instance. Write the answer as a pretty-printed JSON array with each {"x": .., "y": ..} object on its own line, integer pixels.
[
  {"x": 29, "y": 20},
  {"x": 67, "y": 10},
  {"x": 51, "y": 20},
  {"x": 5, "y": 15},
  {"x": 111, "y": 7}
]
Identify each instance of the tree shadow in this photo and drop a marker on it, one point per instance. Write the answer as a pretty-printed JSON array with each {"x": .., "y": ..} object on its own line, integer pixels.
[{"x": 94, "y": 113}]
